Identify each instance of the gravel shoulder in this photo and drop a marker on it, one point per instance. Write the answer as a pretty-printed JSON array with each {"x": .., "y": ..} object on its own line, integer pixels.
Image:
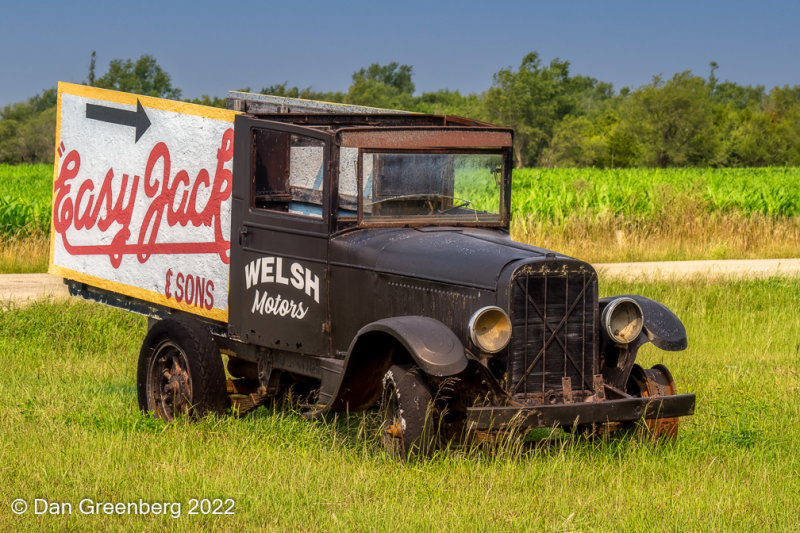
[{"x": 22, "y": 288}]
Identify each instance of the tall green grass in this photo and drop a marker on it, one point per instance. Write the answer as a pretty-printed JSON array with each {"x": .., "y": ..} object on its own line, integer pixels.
[{"x": 70, "y": 429}]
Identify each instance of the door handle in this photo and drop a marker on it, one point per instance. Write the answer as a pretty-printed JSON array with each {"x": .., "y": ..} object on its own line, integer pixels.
[{"x": 242, "y": 235}]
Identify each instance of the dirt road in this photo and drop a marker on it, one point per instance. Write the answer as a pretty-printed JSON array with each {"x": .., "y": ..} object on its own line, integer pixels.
[
  {"x": 21, "y": 288},
  {"x": 741, "y": 268}
]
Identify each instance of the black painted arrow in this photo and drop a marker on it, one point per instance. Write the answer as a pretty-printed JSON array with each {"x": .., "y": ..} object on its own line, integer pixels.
[{"x": 137, "y": 119}]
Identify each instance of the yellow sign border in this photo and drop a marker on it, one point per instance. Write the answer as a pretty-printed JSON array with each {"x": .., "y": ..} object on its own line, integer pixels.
[{"x": 117, "y": 97}]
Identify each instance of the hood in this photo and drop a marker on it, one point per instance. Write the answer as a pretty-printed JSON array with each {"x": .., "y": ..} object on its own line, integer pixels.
[{"x": 463, "y": 256}]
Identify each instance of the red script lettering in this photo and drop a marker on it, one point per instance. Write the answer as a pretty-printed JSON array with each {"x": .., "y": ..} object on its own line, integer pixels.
[{"x": 102, "y": 209}]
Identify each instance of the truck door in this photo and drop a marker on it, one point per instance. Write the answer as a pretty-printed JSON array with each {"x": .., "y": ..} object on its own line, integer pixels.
[{"x": 279, "y": 236}]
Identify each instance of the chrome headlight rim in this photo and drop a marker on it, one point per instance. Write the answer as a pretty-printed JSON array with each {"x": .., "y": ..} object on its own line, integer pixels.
[
  {"x": 500, "y": 324},
  {"x": 608, "y": 319}
]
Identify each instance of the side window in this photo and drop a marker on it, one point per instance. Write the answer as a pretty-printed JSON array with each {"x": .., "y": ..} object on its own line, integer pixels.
[{"x": 288, "y": 173}]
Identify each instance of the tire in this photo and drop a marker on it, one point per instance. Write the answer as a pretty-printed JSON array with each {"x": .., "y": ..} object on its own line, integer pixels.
[
  {"x": 409, "y": 419},
  {"x": 653, "y": 382},
  {"x": 180, "y": 371}
]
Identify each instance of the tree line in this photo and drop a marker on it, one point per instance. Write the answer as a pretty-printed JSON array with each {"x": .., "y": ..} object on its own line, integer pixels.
[{"x": 559, "y": 119}]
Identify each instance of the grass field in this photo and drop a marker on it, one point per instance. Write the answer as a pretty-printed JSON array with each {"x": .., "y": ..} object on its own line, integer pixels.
[
  {"x": 673, "y": 236},
  {"x": 22, "y": 254},
  {"x": 70, "y": 429}
]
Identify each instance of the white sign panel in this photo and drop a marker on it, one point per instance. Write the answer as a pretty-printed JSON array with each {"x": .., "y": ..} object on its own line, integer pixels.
[{"x": 142, "y": 197}]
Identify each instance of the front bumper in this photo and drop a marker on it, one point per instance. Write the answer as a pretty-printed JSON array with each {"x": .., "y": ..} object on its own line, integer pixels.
[{"x": 569, "y": 414}]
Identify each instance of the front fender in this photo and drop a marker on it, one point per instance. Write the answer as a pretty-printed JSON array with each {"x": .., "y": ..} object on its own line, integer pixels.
[
  {"x": 432, "y": 345},
  {"x": 427, "y": 342}
]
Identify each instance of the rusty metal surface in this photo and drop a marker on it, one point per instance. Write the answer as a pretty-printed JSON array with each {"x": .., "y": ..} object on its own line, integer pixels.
[
  {"x": 418, "y": 138},
  {"x": 654, "y": 382},
  {"x": 555, "y": 335},
  {"x": 616, "y": 361},
  {"x": 335, "y": 122},
  {"x": 386, "y": 265},
  {"x": 624, "y": 410},
  {"x": 169, "y": 383},
  {"x": 263, "y": 103}
]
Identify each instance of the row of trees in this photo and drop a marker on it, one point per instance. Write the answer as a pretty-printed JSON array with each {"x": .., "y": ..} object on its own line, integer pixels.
[{"x": 559, "y": 119}]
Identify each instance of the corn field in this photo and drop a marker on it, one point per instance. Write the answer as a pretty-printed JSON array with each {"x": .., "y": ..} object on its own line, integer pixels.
[
  {"x": 25, "y": 193},
  {"x": 557, "y": 194},
  {"x": 552, "y": 195}
]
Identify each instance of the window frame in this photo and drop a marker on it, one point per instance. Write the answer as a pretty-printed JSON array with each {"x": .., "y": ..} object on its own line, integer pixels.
[
  {"x": 284, "y": 218},
  {"x": 415, "y": 220}
]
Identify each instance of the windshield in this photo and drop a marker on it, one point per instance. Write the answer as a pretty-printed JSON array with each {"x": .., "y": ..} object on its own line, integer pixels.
[{"x": 454, "y": 187}]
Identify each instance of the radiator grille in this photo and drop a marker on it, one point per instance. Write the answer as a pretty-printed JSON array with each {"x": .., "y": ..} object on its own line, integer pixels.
[{"x": 554, "y": 318}]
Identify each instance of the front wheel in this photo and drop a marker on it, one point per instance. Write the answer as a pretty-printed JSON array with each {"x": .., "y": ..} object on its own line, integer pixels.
[
  {"x": 409, "y": 419},
  {"x": 180, "y": 371},
  {"x": 650, "y": 383}
]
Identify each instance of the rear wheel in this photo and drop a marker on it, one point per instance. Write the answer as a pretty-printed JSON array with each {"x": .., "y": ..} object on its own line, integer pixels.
[
  {"x": 180, "y": 371},
  {"x": 409, "y": 419},
  {"x": 650, "y": 383}
]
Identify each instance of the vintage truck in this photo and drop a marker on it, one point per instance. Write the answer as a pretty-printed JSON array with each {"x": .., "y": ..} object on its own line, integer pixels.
[{"x": 359, "y": 256}]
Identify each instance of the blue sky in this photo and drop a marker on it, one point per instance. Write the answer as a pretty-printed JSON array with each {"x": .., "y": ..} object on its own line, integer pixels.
[{"x": 212, "y": 47}]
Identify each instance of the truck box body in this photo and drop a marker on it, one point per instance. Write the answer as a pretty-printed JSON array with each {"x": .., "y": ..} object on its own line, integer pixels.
[{"x": 147, "y": 217}]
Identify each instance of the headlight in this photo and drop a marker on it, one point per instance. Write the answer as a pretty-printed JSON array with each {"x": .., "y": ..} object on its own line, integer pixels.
[
  {"x": 490, "y": 329},
  {"x": 623, "y": 320}
]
